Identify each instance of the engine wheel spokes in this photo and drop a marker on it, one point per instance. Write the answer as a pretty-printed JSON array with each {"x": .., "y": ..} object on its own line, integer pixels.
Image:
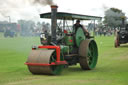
[{"x": 88, "y": 54}]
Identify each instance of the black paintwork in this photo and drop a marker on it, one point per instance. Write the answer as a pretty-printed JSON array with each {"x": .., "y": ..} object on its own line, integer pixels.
[{"x": 123, "y": 35}]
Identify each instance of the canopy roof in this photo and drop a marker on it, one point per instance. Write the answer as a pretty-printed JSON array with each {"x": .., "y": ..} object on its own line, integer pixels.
[{"x": 70, "y": 16}]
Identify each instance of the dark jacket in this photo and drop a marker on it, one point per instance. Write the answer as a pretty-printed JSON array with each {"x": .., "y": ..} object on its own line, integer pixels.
[{"x": 76, "y": 26}]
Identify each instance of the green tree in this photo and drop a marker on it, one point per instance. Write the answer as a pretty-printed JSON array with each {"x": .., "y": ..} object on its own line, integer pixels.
[{"x": 113, "y": 17}]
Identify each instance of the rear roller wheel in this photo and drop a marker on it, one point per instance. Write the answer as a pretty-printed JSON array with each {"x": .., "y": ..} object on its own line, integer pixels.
[
  {"x": 88, "y": 54},
  {"x": 44, "y": 57},
  {"x": 117, "y": 44}
]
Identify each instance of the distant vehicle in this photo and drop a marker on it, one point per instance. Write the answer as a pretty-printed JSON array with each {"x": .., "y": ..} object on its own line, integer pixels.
[
  {"x": 10, "y": 29},
  {"x": 9, "y": 33},
  {"x": 122, "y": 36}
]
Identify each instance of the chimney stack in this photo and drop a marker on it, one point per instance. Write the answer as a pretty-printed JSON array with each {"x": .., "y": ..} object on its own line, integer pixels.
[{"x": 53, "y": 22}]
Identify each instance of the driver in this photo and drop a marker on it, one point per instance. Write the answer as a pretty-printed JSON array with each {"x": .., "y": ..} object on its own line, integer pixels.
[{"x": 77, "y": 25}]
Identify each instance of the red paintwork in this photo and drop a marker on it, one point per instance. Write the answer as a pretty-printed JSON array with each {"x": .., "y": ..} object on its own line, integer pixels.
[
  {"x": 33, "y": 48},
  {"x": 39, "y": 64},
  {"x": 58, "y": 62},
  {"x": 53, "y": 63},
  {"x": 70, "y": 40},
  {"x": 65, "y": 31},
  {"x": 54, "y": 6},
  {"x": 53, "y": 47}
]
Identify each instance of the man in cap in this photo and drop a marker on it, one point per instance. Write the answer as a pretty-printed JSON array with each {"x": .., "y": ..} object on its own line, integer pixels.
[{"x": 78, "y": 25}]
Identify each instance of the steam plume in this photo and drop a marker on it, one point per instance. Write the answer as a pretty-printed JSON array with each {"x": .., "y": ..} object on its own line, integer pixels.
[
  {"x": 44, "y": 2},
  {"x": 22, "y": 9}
]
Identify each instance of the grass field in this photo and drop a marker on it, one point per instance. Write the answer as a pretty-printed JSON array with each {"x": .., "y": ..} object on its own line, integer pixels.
[{"x": 112, "y": 67}]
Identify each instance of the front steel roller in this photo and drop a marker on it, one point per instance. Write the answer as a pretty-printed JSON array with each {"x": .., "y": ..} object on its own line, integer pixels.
[
  {"x": 88, "y": 53},
  {"x": 46, "y": 57}
]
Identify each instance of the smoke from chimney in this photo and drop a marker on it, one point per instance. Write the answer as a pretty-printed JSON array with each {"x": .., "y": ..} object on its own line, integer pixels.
[
  {"x": 104, "y": 7},
  {"x": 43, "y": 2},
  {"x": 22, "y": 9}
]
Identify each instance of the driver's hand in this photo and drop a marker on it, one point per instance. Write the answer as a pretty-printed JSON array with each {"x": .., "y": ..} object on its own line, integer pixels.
[{"x": 87, "y": 33}]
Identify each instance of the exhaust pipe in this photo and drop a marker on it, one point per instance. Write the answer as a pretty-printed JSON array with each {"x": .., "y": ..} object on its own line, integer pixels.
[
  {"x": 123, "y": 24},
  {"x": 123, "y": 21},
  {"x": 53, "y": 22}
]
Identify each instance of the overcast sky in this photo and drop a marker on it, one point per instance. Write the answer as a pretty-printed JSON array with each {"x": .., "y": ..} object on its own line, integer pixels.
[{"x": 24, "y": 9}]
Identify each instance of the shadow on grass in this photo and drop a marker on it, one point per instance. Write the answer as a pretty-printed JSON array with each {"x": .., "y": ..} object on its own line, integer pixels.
[
  {"x": 74, "y": 70},
  {"x": 123, "y": 46}
]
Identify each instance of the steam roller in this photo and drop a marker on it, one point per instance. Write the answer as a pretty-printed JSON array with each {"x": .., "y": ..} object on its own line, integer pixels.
[{"x": 62, "y": 48}]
